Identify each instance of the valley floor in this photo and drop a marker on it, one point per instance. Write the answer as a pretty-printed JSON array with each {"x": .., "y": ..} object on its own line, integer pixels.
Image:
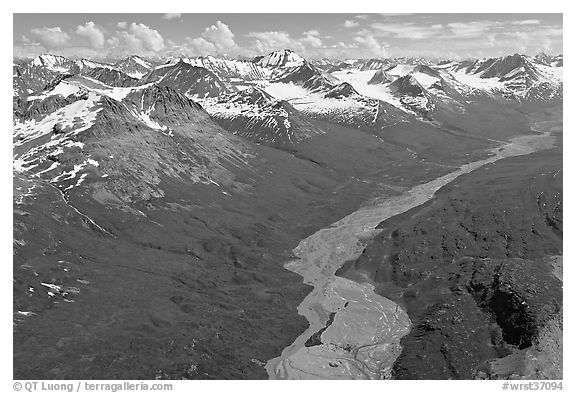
[{"x": 354, "y": 333}]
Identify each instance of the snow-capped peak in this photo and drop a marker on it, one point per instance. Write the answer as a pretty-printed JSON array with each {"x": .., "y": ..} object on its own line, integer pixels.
[
  {"x": 134, "y": 66},
  {"x": 52, "y": 62},
  {"x": 140, "y": 61},
  {"x": 344, "y": 89},
  {"x": 281, "y": 58}
]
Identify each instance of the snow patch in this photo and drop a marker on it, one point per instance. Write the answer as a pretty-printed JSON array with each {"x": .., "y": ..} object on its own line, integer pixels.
[
  {"x": 73, "y": 119},
  {"x": 63, "y": 88},
  {"x": 400, "y": 70},
  {"x": 359, "y": 81},
  {"x": 486, "y": 84}
]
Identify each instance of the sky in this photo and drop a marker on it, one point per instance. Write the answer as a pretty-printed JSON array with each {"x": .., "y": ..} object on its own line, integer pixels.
[{"x": 439, "y": 36}]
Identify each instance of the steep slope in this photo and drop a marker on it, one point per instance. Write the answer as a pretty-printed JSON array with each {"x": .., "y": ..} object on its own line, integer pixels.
[
  {"x": 412, "y": 95},
  {"x": 343, "y": 90},
  {"x": 85, "y": 65},
  {"x": 134, "y": 66},
  {"x": 375, "y": 64},
  {"x": 38, "y": 74},
  {"x": 343, "y": 65},
  {"x": 281, "y": 58},
  {"x": 32, "y": 76},
  {"x": 111, "y": 77},
  {"x": 258, "y": 117},
  {"x": 381, "y": 77},
  {"x": 351, "y": 110},
  {"x": 192, "y": 81},
  {"x": 323, "y": 64},
  {"x": 230, "y": 70},
  {"x": 305, "y": 75},
  {"x": 54, "y": 63},
  {"x": 62, "y": 135}
]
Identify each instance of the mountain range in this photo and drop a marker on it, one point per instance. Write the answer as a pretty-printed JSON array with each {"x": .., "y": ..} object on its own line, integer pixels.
[
  {"x": 156, "y": 200},
  {"x": 407, "y": 89}
]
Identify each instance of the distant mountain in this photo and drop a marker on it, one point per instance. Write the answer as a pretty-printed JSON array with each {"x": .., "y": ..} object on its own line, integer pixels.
[
  {"x": 342, "y": 90},
  {"x": 375, "y": 64},
  {"x": 34, "y": 76},
  {"x": 378, "y": 63},
  {"x": 231, "y": 70},
  {"x": 111, "y": 77},
  {"x": 86, "y": 65},
  {"x": 134, "y": 66},
  {"x": 323, "y": 64},
  {"x": 345, "y": 92},
  {"x": 281, "y": 58},
  {"x": 54, "y": 63},
  {"x": 259, "y": 117},
  {"x": 550, "y": 60},
  {"x": 381, "y": 77},
  {"x": 343, "y": 105},
  {"x": 412, "y": 95},
  {"x": 305, "y": 75},
  {"x": 37, "y": 74},
  {"x": 425, "y": 69},
  {"x": 189, "y": 80},
  {"x": 342, "y": 65},
  {"x": 520, "y": 76}
]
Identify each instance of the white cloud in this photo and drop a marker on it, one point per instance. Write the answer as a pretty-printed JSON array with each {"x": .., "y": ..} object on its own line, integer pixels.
[
  {"x": 137, "y": 37},
  {"x": 269, "y": 41},
  {"x": 126, "y": 42},
  {"x": 311, "y": 40},
  {"x": 34, "y": 49},
  {"x": 526, "y": 22},
  {"x": 535, "y": 40},
  {"x": 201, "y": 47},
  {"x": 375, "y": 37},
  {"x": 51, "y": 37},
  {"x": 220, "y": 35},
  {"x": 406, "y": 30},
  {"x": 370, "y": 46},
  {"x": 216, "y": 39},
  {"x": 350, "y": 23},
  {"x": 311, "y": 32},
  {"x": 309, "y": 44},
  {"x": 552, "y": 32},
  {"x": 170, "y": 16},
  {"x": 471, "y": 29},
  {"x": 93, "y": 33}
]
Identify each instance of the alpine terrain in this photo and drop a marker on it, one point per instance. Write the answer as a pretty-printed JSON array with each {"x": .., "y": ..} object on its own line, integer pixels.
[{"x": 286, "y": 217}]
